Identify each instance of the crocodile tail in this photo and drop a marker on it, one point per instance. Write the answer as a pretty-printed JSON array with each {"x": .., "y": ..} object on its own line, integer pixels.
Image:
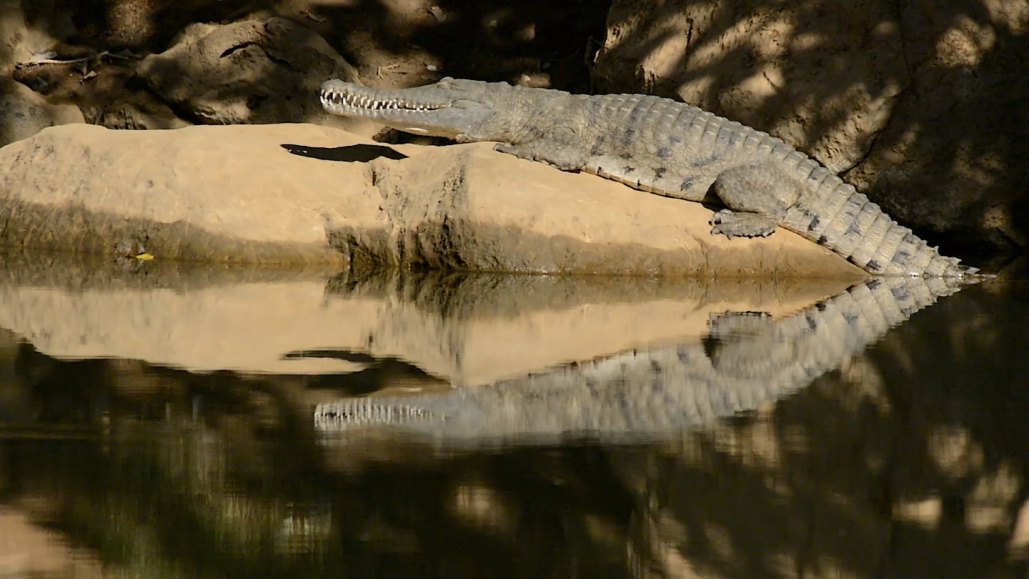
[{"x": 835, "y": 215}]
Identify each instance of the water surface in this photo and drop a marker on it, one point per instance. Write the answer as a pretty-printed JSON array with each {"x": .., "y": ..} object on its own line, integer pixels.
[{"x": 172, "y": 421}]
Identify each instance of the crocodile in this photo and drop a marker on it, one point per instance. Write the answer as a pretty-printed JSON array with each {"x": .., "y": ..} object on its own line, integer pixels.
[
  {"x": 748, "y": 361},
  {"x": 661, "y": 146}
]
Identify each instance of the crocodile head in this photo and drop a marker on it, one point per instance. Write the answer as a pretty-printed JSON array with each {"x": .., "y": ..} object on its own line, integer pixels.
[{"x": 463, "y": 110}]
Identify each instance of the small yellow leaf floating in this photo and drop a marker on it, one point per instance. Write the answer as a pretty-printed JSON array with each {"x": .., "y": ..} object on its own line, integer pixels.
[{"x": 145, "y": 256}]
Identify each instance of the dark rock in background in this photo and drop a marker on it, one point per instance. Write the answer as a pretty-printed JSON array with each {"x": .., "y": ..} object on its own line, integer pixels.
[
  {"x": 254, "y": 71},
  {"x": 924, "y": 107}
]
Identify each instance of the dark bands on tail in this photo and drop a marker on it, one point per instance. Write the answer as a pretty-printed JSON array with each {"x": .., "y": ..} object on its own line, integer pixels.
[{"x": 832, "y": 213}]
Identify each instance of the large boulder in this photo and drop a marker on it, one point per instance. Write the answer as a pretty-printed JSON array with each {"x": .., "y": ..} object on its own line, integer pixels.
[
  {"x": 305, "y": 193},
  {"x": 765, "y": 66},
  {"x": 22, "y": 111},
  {"x": 252, "y": 71},
  {"x": 921, "y": 105}
]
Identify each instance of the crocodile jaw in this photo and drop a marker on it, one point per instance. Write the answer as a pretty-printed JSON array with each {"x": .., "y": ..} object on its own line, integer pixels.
[{"x": 445, "y": 109}]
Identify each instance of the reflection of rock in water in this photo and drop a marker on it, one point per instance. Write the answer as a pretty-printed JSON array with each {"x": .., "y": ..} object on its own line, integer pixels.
[{"x": 749, "y": 360}]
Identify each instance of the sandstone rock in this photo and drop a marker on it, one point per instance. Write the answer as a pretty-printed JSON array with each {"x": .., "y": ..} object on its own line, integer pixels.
[
  {"x": 953, "y": 156},
  {"x": 253, "y": 71},
  {"x": 23, "y": 113},
  {"x": 923, "y": 105},
  {"x": 22, "y": 36},
  {"x": 139, "y": 116},
  {"x": 141, "y": 26},
  {"x": 803, "y": 74},
  {"x": 238, "y": 194}
]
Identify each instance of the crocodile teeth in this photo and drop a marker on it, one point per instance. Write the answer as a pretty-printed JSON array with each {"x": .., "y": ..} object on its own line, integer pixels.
[{"x": 365, "y": 102}]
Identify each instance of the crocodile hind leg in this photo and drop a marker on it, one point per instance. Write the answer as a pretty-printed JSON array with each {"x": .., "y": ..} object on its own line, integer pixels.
[{"x": 756, "y": 198}]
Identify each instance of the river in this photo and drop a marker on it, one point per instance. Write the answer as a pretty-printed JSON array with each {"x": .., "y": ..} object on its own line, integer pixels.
[{"x": 174, "y": 420}]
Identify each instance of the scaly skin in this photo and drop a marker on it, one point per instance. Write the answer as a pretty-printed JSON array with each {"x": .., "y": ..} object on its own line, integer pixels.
[
  {"x": 750, "y": 361},
  {"x": 664, "y": 147}
]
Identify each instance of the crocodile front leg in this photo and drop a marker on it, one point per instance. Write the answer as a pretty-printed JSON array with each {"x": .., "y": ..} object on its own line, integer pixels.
[
  {"x": 756, "y": 199},
  {"x": 561, "y": 156}
]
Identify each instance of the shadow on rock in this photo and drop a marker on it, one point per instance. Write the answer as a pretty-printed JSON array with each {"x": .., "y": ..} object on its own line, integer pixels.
[{"x": 360, "y": 153}]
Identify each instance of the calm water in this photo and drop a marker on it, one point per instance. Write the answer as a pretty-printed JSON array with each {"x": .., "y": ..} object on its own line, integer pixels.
[{"x": 161, "y": 422}]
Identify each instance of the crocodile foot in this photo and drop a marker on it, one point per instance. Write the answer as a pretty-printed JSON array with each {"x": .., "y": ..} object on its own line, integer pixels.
[
  {"x": 742, "y": 224},
  {"x": 563, "y": 157}
]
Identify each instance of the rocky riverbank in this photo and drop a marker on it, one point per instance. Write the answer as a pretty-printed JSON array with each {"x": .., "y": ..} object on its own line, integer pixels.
[{"x": 920, "y": 112}]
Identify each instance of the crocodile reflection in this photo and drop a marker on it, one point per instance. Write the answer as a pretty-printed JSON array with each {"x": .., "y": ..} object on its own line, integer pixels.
[{"x": 747, "y": 361}]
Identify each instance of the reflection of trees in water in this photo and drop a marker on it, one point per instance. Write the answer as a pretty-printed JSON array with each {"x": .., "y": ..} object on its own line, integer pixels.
[
  {"x": 897, "y": 465},
  {"x": 220, "y": 475},
  {"x": 911, "y": 462}
]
